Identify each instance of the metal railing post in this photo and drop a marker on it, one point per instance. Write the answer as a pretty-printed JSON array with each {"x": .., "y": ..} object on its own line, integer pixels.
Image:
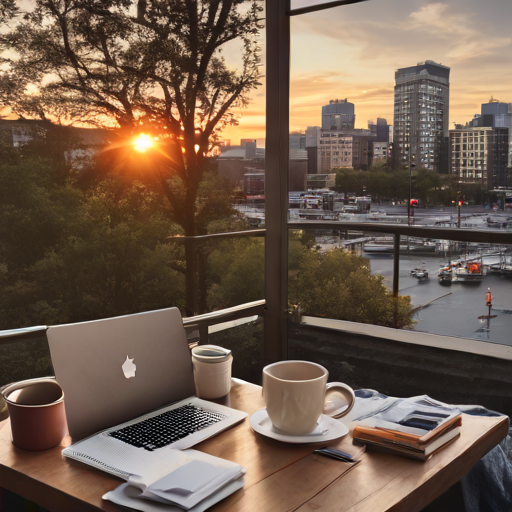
[{"x": 396, "y": 270}]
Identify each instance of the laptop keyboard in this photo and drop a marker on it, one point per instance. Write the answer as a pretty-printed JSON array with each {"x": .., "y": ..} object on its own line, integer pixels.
[{"x": 168, "y": 427}]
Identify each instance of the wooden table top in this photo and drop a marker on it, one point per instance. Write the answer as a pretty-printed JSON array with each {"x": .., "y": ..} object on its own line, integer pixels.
[{"x": 279, "y": 476}]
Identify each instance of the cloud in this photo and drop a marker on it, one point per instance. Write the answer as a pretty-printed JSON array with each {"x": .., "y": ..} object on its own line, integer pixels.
[
  {"x": 342, "y": 52},
  {"x": 459, "y": 28},
  {"x": 383, "y": 92},
  {"x": 437, "y": 18},
  {"x": 470, "y": 106}
]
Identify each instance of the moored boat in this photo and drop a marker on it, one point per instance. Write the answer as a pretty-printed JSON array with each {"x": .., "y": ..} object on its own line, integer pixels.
[
  {"x": 461, "y": 271},
  {"x": 445, "y": 275},
  {"x": 419, "y": 273}
]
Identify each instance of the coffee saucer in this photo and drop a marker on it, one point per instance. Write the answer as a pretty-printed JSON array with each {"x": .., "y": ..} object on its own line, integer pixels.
[{"x": 327, "y": 429}]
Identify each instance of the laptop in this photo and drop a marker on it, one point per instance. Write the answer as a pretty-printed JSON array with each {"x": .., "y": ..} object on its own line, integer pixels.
[{"x": 129, "y": 390}]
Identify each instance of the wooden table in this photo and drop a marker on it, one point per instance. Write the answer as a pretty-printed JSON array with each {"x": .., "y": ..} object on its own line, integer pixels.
[{"x": 279, "y": 476}]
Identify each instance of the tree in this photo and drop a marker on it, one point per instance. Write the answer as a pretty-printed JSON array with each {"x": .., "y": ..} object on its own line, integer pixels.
[
  {"x": 340, "y": 285},
  {"x": 69, "y": 255},
  {"x": 336, "y": 284},
  {"x": 237, "y": 269},
  {"x": 148, "y": 65},
  {"x": 349, "y": 181}
]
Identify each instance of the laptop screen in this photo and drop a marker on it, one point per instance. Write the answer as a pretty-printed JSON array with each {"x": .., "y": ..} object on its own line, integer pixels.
[{"x": 117, "y": 369}]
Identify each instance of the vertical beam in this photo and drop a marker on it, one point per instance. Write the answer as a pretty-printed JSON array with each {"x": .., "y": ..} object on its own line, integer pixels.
[{"x": 276, "y": 178}]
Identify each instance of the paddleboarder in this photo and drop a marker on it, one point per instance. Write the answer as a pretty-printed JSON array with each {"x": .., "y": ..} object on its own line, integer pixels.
[{"x": 488, "y": 300}]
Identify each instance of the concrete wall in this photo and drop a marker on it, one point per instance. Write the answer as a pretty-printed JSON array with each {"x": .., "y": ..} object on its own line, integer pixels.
[{"x": 400, "y": 369}]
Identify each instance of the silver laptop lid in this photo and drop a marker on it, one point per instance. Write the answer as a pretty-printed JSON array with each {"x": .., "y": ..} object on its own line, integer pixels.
[{"x": 116, "y": 369}]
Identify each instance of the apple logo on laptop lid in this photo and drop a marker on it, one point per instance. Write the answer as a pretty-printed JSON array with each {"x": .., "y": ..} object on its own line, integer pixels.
[{"x": 129, "y": 368}]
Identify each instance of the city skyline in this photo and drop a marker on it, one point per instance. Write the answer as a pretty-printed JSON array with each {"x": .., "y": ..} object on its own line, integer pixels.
[{"x": 353, "y": 51}]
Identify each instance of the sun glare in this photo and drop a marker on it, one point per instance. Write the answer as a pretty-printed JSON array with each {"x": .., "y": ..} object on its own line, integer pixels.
[{"x": 142, "y": 143}]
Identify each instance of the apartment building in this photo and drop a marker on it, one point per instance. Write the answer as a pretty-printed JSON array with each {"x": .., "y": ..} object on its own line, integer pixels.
[
  {"x": 479, "y": 155},
  {"x": 329, "y": 149},
  {"x": 496, "y": 114},
  {"x": 380, "y": 152}
]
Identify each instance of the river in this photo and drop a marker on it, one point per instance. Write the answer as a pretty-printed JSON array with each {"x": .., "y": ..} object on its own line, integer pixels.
[{"x": 451, "y": 310}]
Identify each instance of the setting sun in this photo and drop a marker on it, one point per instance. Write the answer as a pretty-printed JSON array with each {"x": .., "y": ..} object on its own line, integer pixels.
[{"x": 143, "y": 142}]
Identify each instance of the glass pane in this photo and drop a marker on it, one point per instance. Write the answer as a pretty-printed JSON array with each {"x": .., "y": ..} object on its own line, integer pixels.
[
  {"x": 449, "y": 285},
  {"x": 25, "y": 359},
  {"x": 245, "y": 341},
  {"x": 395, "y": 129},
  {"x": 443, "y": 284},
  {"x": 332, "y": 275},
  {"x": 399, "y": 137}
]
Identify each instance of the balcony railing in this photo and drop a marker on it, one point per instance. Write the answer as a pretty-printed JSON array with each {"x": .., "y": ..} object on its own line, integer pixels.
[{"x": 197, "y": 326}]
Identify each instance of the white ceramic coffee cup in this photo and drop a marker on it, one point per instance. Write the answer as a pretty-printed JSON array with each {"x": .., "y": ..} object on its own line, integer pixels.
[{"x": 296, "y": 393}]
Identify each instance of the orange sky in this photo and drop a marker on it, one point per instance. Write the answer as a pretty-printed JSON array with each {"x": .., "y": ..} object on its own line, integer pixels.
[{"x": 352, "y": 52}]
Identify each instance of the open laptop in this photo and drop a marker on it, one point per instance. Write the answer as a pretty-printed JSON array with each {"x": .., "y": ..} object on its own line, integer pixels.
[{"x": 129, "y": 390}]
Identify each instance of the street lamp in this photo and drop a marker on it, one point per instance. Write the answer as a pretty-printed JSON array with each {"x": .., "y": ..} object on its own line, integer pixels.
[
  {"x": 459, "y": 204},
  {"x": 409, "y": 206}
]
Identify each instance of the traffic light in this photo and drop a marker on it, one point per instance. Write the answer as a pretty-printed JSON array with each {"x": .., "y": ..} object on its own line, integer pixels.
[{"x": 461, "y": 202}]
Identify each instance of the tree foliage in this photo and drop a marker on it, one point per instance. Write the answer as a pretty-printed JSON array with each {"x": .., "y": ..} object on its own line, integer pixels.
[
  {"x": 334, "y": 285},
  {"x": 383, "y": 183},
  {"x": 148, "y": 65},
  {"x": 72, "y": 255},
  {"x": 340, "y": 285}
]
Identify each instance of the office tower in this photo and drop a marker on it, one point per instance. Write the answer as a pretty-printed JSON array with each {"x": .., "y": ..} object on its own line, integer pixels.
[
  {"x": 497, "y": 115},
  {"x": 494, "y": 113},
  {"x": 338, "y": 115},
  {"x": 479, "y": 154},
  {"x": 331, "y": 149},
  {"x": 379, "y": 130},
  {"x": 297, "y": 148},
  {"x": 420, "y": 132}
]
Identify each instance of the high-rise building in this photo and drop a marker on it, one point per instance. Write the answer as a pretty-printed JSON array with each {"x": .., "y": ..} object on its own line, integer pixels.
[
  {"x": 331, "y": 149},
  {"x": 338, "y": 144},
  {"x": 496, "y": 114},
  {"x": 338, "y": 115},
  {"x": 479, "y": 155},
  {"x": 420, "y": 133},
  {"x": 297, "y": 148},
  {"x": 379, "y": 130}
]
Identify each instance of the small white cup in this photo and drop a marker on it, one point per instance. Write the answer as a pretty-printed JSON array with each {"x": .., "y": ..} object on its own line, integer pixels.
[
  {"x": 296, "y": 393},
  {"x": 212, "y": 371}
]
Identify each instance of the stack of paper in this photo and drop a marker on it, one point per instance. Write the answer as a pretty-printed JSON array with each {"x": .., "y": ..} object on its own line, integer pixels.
[{"x": 195, "y": 482}]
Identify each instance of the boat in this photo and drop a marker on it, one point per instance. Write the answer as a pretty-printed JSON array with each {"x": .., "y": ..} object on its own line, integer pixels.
[
  {"x": 471, "y": 272},
  {"x": 385, "y": 245},
  {"x": 461, "y": 271},
  {"x": 445, "y": 275},
  {"x": 419, "y": 273}
]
